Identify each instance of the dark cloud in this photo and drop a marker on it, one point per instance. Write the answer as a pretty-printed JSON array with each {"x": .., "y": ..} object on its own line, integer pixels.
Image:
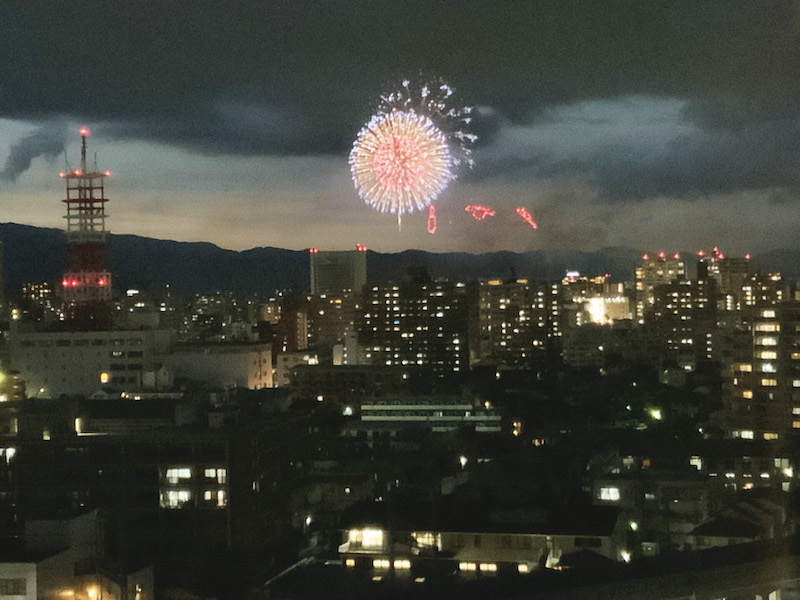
[
  {"x": 287, "y": 77},
  {"x": 47, "y": 141}
]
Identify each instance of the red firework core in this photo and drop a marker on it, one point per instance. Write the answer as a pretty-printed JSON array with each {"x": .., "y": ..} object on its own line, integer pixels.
[{"x": 398, "y": 162}]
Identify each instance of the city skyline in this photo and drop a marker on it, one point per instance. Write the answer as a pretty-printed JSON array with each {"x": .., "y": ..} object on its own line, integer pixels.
[{"x": 660, "y": 127}]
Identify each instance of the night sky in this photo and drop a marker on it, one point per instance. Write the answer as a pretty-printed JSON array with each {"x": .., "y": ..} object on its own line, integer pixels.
[{"x": 653, "y": 125}]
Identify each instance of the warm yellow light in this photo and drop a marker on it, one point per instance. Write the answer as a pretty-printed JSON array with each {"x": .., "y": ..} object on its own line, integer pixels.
[{"x": 104, "y": 377}]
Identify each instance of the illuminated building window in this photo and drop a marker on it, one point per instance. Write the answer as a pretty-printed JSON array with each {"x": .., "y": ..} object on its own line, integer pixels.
[
  {"x": 767, "y": 368},
  {"x": 796, "y": 383},
  {"x": 368, "y": 538},
  {"x": 769, "y": 382},
  {"x": 609, "y": 493},
  {"x": 220, "y": 475},
  {"x": 768, "y": 355},
  {"x": 467, "y": 566},
  {"x": 175, "y": 498},
  {"x": 522, "y": 568},
  {"x": 769, "y": 327},
  {"x": 746, "y": 368},
  {"x": 488, "y": 567},
  {"x": 768, "y": 314},
  {"x": 767, "y": 341},
  {"x": 771, "y": 436},
  {"x": 745, "y": 434},
  {"x": 795, "y": 424},
  {"x": 402, "y": 563},
  {"x": 747, "y": 394},
  {"x": 176, "y": 475},
  {"x": 381, "y": 563},
  {"x": 216, "y": 497}
]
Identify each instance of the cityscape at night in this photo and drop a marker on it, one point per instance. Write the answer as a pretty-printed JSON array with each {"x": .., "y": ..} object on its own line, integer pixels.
[{"x": 400, "y": 300}]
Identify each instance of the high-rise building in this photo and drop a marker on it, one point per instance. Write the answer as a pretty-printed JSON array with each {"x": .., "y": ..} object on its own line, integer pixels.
[
  {"x": 423, "y": 324},
  {"x": 684, "y": 315},
  {"x": 762, "y": 376},
  {"x": 654, "y": 270},
  {"x": 729, "y": 272},
  {"x": 335, "y": 272},
  {"x": 514, "y": 321},
  {"x": 86, "y": 282}
]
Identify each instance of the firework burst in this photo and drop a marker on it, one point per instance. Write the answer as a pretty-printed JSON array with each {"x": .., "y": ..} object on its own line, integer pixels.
[
  {"x": 400, "y": 162},
  {"x": 410, "y": 150}
]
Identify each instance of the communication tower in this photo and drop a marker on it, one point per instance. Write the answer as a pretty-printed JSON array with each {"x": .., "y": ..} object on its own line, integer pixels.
[{"x": 86, "y": 283}]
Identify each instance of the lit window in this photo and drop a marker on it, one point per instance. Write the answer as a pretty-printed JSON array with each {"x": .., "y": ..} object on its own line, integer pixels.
[
  {"x": 771, "y": 327},
  {"x": 467, "y": 566},
  {"x": 609, "y": 493},
  {"x": 768, "y": 355},
  {"x": 176, "y": 475},
  {"x": 745, "y": 367},
  {"x": 381, "y": 563},
  {"x": 488, "y": 567},
  {"x": 770, "y": 436},
  {"x": 402, "y": 563},
  {"x": 769, "y": 382},
  {"x": 175, "y": 498},
  {"x": 747, "y": 394}
]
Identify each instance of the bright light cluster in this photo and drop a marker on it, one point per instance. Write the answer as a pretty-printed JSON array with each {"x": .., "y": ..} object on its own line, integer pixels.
[
  {"x": 400, "y": 162},
  {"x": 411, "y": 148}
]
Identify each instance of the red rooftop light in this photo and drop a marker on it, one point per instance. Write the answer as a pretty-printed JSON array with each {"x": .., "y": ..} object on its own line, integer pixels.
[
  {"x": 747, "y": 256},
  {"x": 84, "y": 131},
  {"x": 700, "y": 253},
  {"x": 313, "y": 250},
  {"x": 677, "y": 255},
  {"x": 645, "y": 257}
]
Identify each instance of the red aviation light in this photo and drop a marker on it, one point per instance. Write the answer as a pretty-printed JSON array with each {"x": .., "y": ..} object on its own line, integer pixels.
[
  {"x": 84, "y": 131},
  {"x": 361, "y": 247},
  {"x": 107, "y": 173},
  {"x": 479, "y": 212},
  {"x": 676, "y": 256},
  {"x": 77, "y": 172},
  {"x": 700, "y": 253},
  {"x": 747, "y": 256},
  {"x": 62, "y": 174},
  {"x": 662, "y": 255},
  {"x": 431, "y": 224},
  {"x": 69, "y": 282},
  {"x": 313, "y": 250},
  {"x": 645, "y": 257},
  {"x": 102, "y": 282},
  {"x": 721, "y": 256}
]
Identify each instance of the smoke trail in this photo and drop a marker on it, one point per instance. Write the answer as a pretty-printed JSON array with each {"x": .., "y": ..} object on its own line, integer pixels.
[{"x": 46, "y": 141}]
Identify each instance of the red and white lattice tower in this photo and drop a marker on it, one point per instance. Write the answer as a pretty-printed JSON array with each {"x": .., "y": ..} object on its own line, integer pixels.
[{"x": 87, "y": 281}]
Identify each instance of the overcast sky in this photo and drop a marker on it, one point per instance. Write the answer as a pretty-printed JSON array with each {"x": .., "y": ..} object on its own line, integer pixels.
[{"x": 671, "y": 125}]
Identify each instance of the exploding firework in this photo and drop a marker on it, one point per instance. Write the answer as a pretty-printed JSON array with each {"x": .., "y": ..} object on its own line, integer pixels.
[
  {"x": 479, "y": 212},
  {"x": 400, "y": 162},
  {"x": 410, "y": 150},
  {"x": 526, "y": 216},
  {"x": 431, "y": 225}
]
